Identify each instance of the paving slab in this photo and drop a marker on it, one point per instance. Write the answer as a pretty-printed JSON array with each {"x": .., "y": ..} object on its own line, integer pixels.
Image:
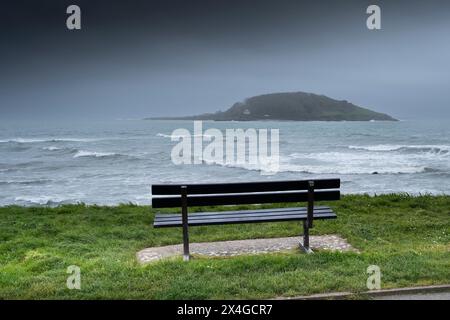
[{"x": 242, "y": 247}]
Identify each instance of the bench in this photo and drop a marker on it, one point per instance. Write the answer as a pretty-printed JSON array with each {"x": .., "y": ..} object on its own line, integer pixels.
[{"x": 194, "y": 195}]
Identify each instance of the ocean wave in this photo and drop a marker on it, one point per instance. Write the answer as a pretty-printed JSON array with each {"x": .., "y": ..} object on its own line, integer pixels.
[
  {"x": 93, "y": 154},
  {"x": 326, "y": 169},
  {"x": 26, "y": 182},
  {"x": 164, "y": 135},
  {"x": 352, "y": 170},
  {"x": 183, "y": 136},
  {"x": 21, "y": 140},
  {"x": 347, "y": 162},
  {"x": 17, "y": 147},
  {"x": 435, "y": 149},
  {"x": 42, "y": 200},
  {"x": 342, "y": 163},
  {"x": 380, "y": 147},
  {"x": 20, "y": 165},
  {"x": 265, "y": 167},
  {"x": 362, "y": 163},
  {"x": 61, "y": 150},
  {"x": 42, "y": 140},
  {"x": 52, "y": 148}
]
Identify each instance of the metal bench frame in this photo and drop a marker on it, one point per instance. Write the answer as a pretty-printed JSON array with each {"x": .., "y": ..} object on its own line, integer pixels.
[{"x": 232, "y": 194}]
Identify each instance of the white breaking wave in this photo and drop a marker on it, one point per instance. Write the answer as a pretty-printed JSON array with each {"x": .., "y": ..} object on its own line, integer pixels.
[
  {"x": 266, "y": 167},
  {"x": 341, "y": 163},
  {"x": 52, "y": 148},
  {"x": 40, "y": 200},
  {"x": 182, "y": 136},
  {"x": 82, "y": 153},
  {"x": 22, "y": 140},
  {"x": 381, "y": 147},
  {"x": 387, "y": 147},
  {"x": 327, "y": 169},
  {"x": 357, "y": 163},
  {"x": 164, "y": 135},
  {"x": 41, "y": 140},
  {"x": 351, "y": 169},
  {"x": 346, "y": 163}
]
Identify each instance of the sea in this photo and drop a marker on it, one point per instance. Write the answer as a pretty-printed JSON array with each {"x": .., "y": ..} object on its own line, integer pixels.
[{"x": 111, "y": 162}]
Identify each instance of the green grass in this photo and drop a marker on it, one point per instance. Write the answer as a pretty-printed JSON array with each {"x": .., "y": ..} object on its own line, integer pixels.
[{"x": 407, "y": 237}]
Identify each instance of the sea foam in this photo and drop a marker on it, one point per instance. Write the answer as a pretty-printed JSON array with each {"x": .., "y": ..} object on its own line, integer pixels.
[
  {"x": 82, "y": 153},
  {"x": 49, "y": 139},
  {"x": 443, "y": 149}
]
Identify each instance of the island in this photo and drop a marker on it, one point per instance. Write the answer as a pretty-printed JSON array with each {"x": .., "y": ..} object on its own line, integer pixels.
[{"x": 293, "y": 106}]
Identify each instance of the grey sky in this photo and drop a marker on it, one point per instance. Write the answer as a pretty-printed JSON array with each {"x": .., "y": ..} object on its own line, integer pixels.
[{"x": 138, "y": 59}]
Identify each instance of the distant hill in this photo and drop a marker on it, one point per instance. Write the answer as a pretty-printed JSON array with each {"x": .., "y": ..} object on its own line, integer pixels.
[{"x": 297, "y": 106}]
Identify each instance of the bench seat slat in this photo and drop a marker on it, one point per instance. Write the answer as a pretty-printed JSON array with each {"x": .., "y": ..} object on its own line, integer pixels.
[
  {"x": 247, "y": 216},
  {"x": 224, "y": 214},
  {"x": 243, "y": 217},
  {"x": 240, "y": 215}
]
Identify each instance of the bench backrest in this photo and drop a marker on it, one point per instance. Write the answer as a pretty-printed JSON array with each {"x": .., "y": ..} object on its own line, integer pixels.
[{"x": 245, "y": 193}]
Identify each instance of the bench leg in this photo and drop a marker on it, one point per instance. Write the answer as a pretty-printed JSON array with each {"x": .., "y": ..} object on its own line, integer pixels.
[
  {"x": 186, "y": 254},
  {"x": 305, "y": 246},
  {"x": 184, "y": 216}
]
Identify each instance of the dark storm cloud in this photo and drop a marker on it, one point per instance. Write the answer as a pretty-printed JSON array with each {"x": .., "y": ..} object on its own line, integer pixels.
[{"x": 149, "y": 58}]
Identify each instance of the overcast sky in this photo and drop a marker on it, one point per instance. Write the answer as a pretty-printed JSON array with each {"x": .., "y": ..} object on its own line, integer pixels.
[{"x": 134, "y": 59}]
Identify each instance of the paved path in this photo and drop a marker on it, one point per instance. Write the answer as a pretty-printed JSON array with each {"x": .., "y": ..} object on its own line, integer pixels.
[
  {"x": 239, "y": 247},
  {"x": 417, "y": 296}
]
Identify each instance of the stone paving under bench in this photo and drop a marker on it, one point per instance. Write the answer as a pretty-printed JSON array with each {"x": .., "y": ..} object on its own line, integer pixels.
[{"x": 240, "y": 247}]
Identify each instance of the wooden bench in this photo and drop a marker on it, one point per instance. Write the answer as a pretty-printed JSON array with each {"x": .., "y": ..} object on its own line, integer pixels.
[{"x": 193, "y": 195}]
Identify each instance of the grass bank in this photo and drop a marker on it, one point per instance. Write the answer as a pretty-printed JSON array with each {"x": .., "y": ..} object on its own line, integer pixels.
[{"x": 407, "y": 237}]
